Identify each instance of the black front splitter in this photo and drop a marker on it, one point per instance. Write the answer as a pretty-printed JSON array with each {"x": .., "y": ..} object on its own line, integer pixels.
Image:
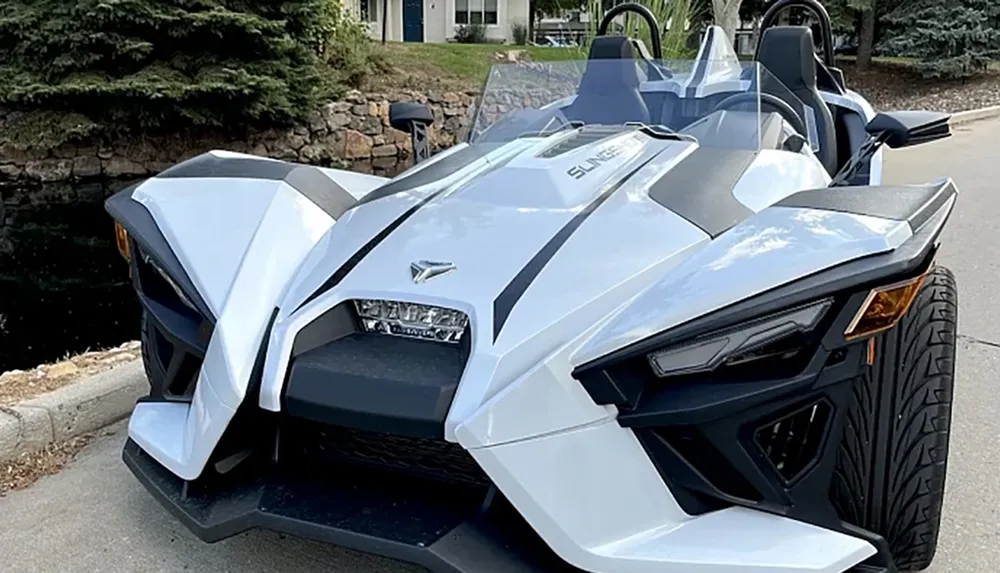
[{"x": 347, "y": 514}]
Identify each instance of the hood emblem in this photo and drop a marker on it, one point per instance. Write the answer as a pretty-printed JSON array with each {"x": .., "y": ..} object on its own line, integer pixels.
[{"x": 423, "y": 271}]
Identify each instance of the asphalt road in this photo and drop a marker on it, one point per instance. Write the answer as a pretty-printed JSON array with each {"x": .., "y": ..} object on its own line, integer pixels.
[{"x": 94, "y": 517}]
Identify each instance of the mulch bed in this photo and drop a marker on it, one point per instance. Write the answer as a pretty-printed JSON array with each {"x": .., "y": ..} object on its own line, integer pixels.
[
  {"x": 895, "y": 87},
  {"x": 22, "y": 472}
]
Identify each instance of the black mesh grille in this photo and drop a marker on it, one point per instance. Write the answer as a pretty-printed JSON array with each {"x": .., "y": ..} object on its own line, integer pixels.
[
  {"x": 792, "y": 443},
  {"x": 425, "y": 458}
]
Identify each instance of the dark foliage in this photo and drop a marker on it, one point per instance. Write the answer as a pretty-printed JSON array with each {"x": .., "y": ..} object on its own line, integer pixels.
[
  {"x": 470, "y": 34},
  {"x": 951, "y": 39},
  {"x": 126, "y": 65}
]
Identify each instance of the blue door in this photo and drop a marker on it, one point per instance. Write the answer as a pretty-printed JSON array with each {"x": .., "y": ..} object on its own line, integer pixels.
[{"x": 413, "y": 20}]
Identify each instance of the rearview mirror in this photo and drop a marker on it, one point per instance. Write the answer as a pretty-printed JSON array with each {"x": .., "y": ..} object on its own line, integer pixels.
[
  {"x": 413, "y": 118},
  {"x": 908, "y": 128}
]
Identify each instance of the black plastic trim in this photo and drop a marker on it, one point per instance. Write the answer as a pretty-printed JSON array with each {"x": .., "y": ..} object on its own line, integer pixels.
[
  {"x": 308, "y": 180},
  {"x": 700, "y": 188},
  {"x": 515, "y": 289},
  {"x": 326, "y": 193},
  {"x": 913, "y": 204},
  {"x": 391, "y": 384},
  {"x": 347, "y": 510},
  {"x": 332, "y": 325},
  {"x": 212, "y": 166},
  {"x": 143, "y": 230},
  {"x": 183, "y": 331}
]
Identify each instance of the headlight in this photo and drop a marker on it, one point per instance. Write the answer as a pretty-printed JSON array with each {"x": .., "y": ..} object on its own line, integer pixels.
[
  {"x": 777, "y": 336},
  {"x": 411, "y": 320}
]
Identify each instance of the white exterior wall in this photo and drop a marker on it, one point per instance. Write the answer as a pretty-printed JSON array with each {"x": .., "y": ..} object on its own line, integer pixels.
[
  {"x": 439, "y": 19},
  {"x": 509, "y": 12}
]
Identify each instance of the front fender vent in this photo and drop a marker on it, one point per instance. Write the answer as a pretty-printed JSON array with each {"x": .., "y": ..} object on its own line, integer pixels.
[{"x": 793, "y": 443}]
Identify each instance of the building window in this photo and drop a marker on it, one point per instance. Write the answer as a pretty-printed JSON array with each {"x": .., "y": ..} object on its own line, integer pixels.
[
  {"x": 476, "y": 12},
  {"x": 369, "y": 10}
]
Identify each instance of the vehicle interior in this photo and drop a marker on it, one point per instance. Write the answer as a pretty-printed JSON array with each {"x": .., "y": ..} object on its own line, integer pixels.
[{"x": 804, "y": 81}]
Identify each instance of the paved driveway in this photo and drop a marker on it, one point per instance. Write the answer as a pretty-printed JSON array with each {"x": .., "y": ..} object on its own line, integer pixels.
[{"x": 95, "y": 517}]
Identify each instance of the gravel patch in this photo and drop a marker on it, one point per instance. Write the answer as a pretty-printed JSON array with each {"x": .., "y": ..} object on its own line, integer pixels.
[{"x": 18, "y": 385}]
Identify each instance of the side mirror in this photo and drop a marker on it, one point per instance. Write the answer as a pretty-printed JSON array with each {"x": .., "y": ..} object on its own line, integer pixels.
[
  {"x": 414, "y": 118},
  {"x": 907, "y": 128}
]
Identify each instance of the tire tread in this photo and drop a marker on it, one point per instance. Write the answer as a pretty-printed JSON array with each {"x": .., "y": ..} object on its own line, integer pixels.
[{"x": 892, "y": 462}]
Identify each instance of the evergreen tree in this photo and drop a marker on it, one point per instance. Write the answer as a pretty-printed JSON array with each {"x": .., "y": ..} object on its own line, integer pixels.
[
  {"x": 953, "y": 39},
  {"x": 144, "y": 64}
]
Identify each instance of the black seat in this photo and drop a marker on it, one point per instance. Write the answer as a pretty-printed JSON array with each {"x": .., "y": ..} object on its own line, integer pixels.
[
  {"x": 788, "y": 53},
  {"x": 609, "y": 90}
]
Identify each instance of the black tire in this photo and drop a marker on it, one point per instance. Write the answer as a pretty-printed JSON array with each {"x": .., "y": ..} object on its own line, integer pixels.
[{"x": 892, "y": 462}]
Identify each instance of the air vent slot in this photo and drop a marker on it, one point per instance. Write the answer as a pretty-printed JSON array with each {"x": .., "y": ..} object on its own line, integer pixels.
[
  {"x": 583, "y": 137},
  {"x": 708, "y": 462},
  {"x": 793, "y": 443}
]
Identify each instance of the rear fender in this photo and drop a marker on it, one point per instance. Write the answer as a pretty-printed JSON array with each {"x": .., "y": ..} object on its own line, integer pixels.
[{"x": 798, "y": 249}]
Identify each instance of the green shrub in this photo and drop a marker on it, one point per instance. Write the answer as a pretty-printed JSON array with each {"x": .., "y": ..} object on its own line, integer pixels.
[
  {"x": 350, "y": 55},
  {"x": 673, "y": 39},
  {"x": 150, "y": 65},
  {"x": 470, "y": 34},
  {"x": 520, "y": 34}
]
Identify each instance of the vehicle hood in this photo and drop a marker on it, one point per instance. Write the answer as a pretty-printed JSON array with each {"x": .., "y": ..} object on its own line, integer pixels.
[{"x": 543, "y": 233}]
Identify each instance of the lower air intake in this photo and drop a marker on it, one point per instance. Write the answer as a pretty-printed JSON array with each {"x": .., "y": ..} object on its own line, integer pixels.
[
  {"x": 792, "y": 443},
  {"x": 429, "y": 459}
]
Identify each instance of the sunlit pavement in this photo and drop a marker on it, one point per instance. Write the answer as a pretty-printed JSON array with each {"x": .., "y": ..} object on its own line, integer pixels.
[{"x": 94, "y": 517}]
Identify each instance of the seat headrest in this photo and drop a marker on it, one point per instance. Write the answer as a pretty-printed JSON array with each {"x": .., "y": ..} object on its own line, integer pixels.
[
  {"x": 611, "y": 48},
  {"x": 788, "y": 52},
  {"x": 611, "y": 66}
]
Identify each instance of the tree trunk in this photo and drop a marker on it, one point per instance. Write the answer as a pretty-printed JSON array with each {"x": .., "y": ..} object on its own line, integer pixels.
[
  {"x": 727, "y": 16},
  {"x": 531, "y": 21},
  {"x": 866, "y": 44}
]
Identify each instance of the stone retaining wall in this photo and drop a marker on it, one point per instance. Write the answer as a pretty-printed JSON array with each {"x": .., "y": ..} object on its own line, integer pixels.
[{"x": 355, "y": 129}]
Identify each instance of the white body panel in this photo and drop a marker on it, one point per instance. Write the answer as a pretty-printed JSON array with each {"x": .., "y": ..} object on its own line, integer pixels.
[
  {"x": 253, "y": 289},
  {"x": 629, "y": 522}
]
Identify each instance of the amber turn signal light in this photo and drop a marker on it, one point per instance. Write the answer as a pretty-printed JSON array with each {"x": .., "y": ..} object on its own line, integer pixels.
[
  {"x": 121, "y": 237},
  {"x": 883, "y": 308}
]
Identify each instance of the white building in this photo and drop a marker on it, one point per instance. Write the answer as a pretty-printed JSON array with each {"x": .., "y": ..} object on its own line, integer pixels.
[{"x": 436, "y": 20}]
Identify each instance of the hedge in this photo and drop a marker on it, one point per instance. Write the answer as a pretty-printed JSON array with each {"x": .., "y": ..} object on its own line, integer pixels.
[{"x": 80, "y": 68}]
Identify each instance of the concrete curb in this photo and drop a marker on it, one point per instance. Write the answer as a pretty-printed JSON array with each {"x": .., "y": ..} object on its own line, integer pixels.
[
  {"x": 81, "y": 407},
  {"x": 965, "y": 117}
]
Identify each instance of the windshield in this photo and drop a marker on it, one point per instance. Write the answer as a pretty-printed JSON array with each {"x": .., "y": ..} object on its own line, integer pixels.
[{"x": 720, "y": 103}]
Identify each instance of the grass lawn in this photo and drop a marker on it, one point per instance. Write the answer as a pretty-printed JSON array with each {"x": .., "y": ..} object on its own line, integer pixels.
[{"x": 461, "y": 63}]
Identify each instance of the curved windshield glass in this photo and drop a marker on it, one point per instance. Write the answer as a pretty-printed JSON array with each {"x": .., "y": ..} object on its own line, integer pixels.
[{"x": 720, "y": 103}]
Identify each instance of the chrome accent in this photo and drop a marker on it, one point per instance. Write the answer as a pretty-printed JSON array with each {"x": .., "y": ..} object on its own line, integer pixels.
[{"x": 423, "y": 271}]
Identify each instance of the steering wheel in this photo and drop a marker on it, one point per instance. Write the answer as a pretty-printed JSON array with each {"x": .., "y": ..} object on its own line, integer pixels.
[{"x": 784, "y": 110}]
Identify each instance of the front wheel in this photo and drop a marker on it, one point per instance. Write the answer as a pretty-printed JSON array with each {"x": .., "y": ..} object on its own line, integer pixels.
[{"x": 893, "y": 459}]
